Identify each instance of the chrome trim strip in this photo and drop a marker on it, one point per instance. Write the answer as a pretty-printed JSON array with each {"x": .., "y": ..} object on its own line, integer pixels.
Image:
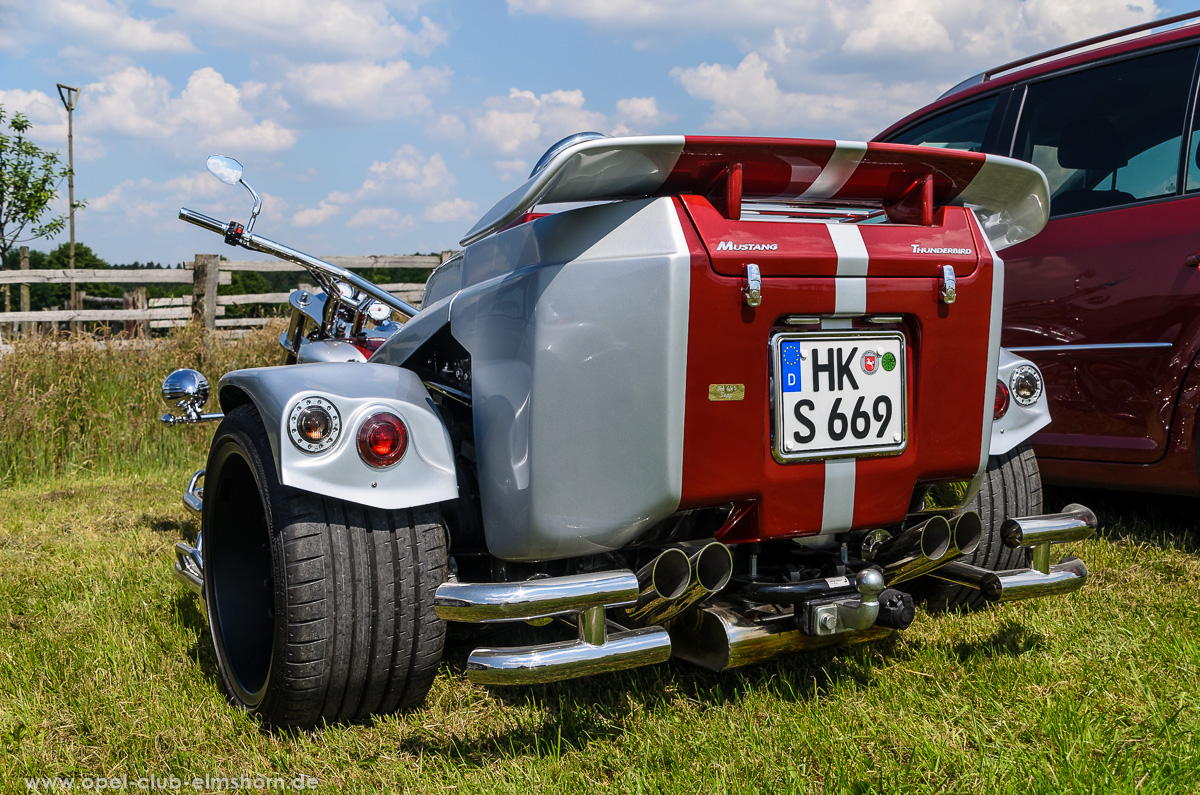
[{"x": 1112, "y": 346}]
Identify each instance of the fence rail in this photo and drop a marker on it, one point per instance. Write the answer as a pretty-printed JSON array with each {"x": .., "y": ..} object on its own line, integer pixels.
[{"x": 204, "y": 306}]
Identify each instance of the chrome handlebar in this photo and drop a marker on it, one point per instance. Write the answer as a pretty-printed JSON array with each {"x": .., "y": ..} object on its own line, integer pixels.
[{"x": 326, "y": 273}]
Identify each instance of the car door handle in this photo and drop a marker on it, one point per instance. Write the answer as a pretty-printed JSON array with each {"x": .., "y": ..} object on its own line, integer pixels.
[{"x": 1193, "y": 260}]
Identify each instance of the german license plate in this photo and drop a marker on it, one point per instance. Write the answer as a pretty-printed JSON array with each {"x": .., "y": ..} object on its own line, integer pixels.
[{"x": 838, "y": 394}]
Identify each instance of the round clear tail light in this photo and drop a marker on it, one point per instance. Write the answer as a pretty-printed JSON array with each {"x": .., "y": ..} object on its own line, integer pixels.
[
  {"x": 1001, "y": 407},
  {"x": 382, "y": 439},
  {"x": 314, "y": 424},
  {"x": 1026, "y": 384}
]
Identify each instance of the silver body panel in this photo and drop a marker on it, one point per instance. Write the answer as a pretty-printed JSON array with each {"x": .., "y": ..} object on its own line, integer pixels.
[
  {"x": 424, "y": 475},
  {"x": 577, "y": 328},
  {"x": 1019, "y": 422}
]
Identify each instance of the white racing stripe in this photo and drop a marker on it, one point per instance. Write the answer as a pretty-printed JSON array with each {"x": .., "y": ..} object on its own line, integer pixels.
[
  {"x": 837, "y": 171},
  {"x": 850, "y": 298},
  {"x": 838, "y": 511}
]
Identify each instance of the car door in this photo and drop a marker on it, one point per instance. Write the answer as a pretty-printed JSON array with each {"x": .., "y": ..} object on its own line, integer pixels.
[{"x": 1103, "y": 300}]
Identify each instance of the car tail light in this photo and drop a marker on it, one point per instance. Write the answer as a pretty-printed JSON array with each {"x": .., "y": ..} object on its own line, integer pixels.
[
  {"x": 382, "y": 439},
  {"x": 1001, "y": 400}
]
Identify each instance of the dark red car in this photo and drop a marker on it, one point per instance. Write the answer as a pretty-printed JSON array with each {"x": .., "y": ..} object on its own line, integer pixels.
[{"x": 1106, "y": 300}]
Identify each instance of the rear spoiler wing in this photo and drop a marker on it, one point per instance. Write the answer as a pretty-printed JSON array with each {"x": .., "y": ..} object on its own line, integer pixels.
[{"x": 1010, "y": 197}]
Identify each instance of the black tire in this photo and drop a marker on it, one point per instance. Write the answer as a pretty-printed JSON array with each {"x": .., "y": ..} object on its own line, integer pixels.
[
  {"x": 1012, "y": 486},
  {"x": 320, "y": 610}
]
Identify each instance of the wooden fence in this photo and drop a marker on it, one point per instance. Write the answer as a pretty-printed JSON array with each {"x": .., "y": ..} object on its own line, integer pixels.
[{"x": 204, "y": 306}]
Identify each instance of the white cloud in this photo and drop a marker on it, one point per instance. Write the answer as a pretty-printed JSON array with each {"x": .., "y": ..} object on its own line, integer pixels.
[
  {"x": 747, "y": 98},
  {"x": 209, "y": 112},
  {"x": 100, "y": 24},
  {"x": 387, "y": 218},
  {"x": 367, "y": 90},
  {"x": 310, "y": 28},
  {"x": 452, "y": 210},
  {"x": 326, "y": 209},
  {"x": 510, "y": 124},
  {"x": 448, "y": 127},
  {"x": 837, "y": 64},
  {"x": 508, "y": 170},
  {"x": 639, "y": 115},
  {"x": 84, "y": 28},
  {"x": 409, "y": 175}
]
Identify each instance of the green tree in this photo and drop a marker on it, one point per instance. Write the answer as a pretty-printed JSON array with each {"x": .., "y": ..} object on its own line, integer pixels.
[{"x": 29, "y": 179}]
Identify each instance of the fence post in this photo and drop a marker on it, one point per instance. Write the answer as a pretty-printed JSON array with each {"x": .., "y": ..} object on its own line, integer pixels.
[
  {"x": 141, "y": 300},
  {"x": 27, "y": 327},
  {"x": 205, "y": 276}
]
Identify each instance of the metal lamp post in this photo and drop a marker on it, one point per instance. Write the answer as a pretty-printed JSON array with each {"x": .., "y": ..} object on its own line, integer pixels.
[{"x": 69, "y": 97}]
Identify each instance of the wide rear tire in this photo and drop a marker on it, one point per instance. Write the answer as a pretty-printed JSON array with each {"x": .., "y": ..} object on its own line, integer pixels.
[
  {"x": 1012, "y": 486},
  {"x": 320, "y": 610}
]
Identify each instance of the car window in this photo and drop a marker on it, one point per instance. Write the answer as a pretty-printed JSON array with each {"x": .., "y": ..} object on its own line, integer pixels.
[
  {"x": 963, "y": 127},
  {"x": 1109, "y": 135}
]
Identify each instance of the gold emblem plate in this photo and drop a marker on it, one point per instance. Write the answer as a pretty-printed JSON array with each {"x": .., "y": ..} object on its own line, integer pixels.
[{"x": 726, "y": 391}]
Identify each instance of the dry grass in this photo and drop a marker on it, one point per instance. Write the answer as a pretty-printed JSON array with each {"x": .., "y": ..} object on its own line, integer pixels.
[{"x": 71, "y": 405}]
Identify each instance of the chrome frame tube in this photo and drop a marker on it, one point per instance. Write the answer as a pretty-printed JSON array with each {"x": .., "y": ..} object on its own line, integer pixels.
[
  {"x": 552, "y": 662},
  {"x": 1075, "y": 523},
  {"x": 530, "y": 599}
]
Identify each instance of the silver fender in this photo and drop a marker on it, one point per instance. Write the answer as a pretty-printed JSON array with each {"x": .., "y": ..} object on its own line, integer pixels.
[
  {"x": 425, "y": 474},
  {"x": 1019, "y": 422}
]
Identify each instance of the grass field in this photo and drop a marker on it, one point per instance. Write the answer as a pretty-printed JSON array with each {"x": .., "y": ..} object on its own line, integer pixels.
[{"x": 106, "y": 670}]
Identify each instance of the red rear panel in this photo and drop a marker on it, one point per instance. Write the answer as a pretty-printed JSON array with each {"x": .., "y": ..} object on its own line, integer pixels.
[{"x": 728, "y": 454}]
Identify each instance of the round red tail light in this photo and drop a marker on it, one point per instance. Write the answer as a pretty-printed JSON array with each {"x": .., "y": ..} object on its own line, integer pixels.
[
  {"x": 382, "y": 439},
  {"x": 1001, "y": 400}
]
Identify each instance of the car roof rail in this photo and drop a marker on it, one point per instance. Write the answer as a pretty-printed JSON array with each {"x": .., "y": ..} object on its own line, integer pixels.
[{"x": 983, "y": 77}]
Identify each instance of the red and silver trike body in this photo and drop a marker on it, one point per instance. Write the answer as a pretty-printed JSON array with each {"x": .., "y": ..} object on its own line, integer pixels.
[{"x": 721, "y": 398}]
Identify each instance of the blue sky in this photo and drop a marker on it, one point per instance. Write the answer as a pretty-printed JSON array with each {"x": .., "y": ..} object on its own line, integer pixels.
[{"x": 390, "y": 126}]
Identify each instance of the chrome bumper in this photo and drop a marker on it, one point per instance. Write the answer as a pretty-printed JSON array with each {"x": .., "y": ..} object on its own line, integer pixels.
[
  {"x": 189, "y": 560},
  {"x": 1036, "y": 533},
  {"x": 584, "y": 596}
]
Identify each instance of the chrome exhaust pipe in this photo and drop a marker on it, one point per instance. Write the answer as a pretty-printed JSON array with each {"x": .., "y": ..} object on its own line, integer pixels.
[
  {"x": 966, "y": 531},
  {"x": 662, "y": 581},
  {"x": 709, "y": 567},
  {"x": 1067, "y": 576},
  {"x": 718, "y": 638},
  {"x": 916, "y": 551}
]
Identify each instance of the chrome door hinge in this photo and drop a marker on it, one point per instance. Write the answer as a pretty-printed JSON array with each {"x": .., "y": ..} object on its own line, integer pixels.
[
  {"x": 946, "y": 284},
  {"x": 752, "y": 289}
]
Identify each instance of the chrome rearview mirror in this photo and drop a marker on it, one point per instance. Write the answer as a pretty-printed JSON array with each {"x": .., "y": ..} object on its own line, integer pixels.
[
  {"x": 229, "y": 171},
  {"x": 225, "y": 169}
]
